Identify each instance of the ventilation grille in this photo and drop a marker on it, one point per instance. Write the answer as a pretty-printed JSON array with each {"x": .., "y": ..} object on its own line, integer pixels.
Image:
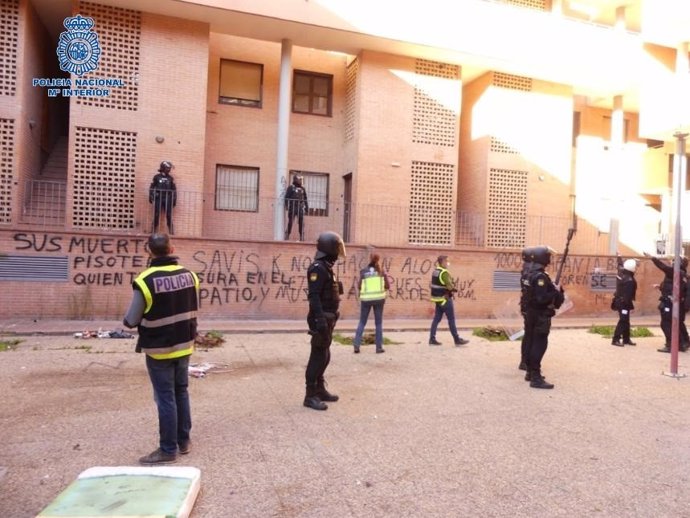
[
  {"x": 433, "y": 123},
  {"x": 6, "y": 169},
  {"x": 512, "y": 82},
  {"x": 507, "y": 221},
  {"x": 34, "y": 268},
  {"x": 530, "y": 4},
  {"x": 9, "y": 35},
  {"x": 498, "y": 146},
  {"x": 350, "y": 99},
  {"x": 506, "y": 281},
  {"x": 431, "y": 202},
  {"x": 119, "y": 33},
  {"x": 104, "y": 178}
]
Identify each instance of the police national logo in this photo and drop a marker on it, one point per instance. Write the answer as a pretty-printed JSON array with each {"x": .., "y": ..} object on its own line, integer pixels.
[{"x": 78, "y": 49}]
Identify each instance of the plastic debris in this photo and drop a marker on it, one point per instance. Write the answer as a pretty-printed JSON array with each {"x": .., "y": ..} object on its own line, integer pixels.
[{"x": 199, "y": 370}]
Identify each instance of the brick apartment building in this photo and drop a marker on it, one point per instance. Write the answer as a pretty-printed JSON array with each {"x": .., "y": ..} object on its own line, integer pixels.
[{"x": 475, "y": 127}]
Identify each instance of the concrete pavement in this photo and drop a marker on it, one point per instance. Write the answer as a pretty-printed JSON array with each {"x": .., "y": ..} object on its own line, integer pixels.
[{"x": 419, "y": 431}]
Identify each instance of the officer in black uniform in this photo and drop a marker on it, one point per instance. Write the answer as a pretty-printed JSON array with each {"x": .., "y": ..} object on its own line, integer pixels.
[
  {"x": 163, "y": 195},
  {"x": 296, "y": 205},
  {"x": 543, "y": 297},
  {"x": 528, "y": 268},
  {"x": 623, "y": 301},
  {"x": 324, "y": 300},
  {"x": 666, "y": 303}
]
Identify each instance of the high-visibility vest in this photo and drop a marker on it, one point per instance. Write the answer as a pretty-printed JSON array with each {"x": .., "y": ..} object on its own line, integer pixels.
[
  {"x": 168, "y": 327},
  {"x": 438, "y": 286},
  {"x": 372, "y": 286}
]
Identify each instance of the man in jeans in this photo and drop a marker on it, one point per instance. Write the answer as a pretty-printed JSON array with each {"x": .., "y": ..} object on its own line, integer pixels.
[
  {"x": 442, "y": 290},
  {"x": 164, "y": 307}
]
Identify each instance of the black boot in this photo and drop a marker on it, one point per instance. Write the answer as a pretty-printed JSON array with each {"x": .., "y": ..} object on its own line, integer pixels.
[
  {"x": 323, "y": 394},
  {"x": 616, "y": 342},
  {"x": 523, "y": 365},
  {"x": 538, "y": 381},
  {"x": 311, "y": 400}
]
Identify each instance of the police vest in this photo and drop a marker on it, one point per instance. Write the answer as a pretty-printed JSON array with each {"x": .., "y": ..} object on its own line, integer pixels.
[
  {"x": 168, "y": 326},
  {"x": 372, "y": 286},
  {"x": 438, "y": 286}
]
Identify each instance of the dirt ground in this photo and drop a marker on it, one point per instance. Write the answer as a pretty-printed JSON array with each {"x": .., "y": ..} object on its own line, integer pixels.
[{"x": 70, "y": 404}]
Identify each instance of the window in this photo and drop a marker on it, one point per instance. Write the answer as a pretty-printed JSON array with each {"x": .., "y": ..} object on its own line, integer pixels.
[
  {"x": 312, "y": 93},
  {"x": 316, "y": 185},
  {"x": 237, "y": 188},
  {"x": 240, "y": 83}
]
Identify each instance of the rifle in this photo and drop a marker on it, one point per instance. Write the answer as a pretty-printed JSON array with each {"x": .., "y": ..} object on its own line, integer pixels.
[{"x": 571, "y": 233}]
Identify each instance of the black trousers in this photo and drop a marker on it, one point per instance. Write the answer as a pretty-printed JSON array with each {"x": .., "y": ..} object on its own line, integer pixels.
[
  {"x": 536, "y": 339},
  {"x": 623, "y": 326},
  {"x": 300, "y": 223},
  {"x": 667, "y": 325},
  {"x": 320, "y": 355},
  {"x": 162, "y": 204}
]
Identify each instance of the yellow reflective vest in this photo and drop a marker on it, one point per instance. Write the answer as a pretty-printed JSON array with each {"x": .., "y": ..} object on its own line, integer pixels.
[
  {"x": 439, "y": 289},
  {"x": 372, "y": 285}
]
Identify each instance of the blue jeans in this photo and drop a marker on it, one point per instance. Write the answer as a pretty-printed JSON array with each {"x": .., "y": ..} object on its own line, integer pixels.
[
  {"x": 448, "y": 310},
  {"x": 170, "y": 379},
  {"x": 378, "y": 322}
]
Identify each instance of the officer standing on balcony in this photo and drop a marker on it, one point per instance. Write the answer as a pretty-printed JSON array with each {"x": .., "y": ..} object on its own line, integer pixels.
[
  {"x": 324, "y": 300},
  {"x": 296, "y": 205},
  {"x": 163, "y": 195},
  {"x": 542, "y": 298}
]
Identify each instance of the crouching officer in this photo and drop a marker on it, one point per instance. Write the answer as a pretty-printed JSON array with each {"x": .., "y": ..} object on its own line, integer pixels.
[
  {"x": 542, "y": 298},
  {"x": 324, "y": 300}
]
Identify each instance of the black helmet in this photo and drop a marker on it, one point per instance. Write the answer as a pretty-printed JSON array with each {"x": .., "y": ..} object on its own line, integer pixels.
[
  {"x": 538, "y": 254},
  {"x": 330, "y": 244},
  {"x": 165, "y": 167},
  {"x": 297, "y": 180},
  {"x": 684, "y": 263}
]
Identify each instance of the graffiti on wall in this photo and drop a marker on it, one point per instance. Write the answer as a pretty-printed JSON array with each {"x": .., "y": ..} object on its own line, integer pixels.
[{"x": 233, "y": 276}]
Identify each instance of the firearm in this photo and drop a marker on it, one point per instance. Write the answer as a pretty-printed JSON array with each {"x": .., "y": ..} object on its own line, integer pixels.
[{"x": 571, "y": 233}]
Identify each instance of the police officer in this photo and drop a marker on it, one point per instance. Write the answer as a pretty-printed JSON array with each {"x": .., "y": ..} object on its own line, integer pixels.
[
  {"x": 442, "y": 290},
  {"x": 666, "y": 303},
  {"x": 324, "y": 300},
  {"x": 528, "y": 268},
  {"x": 296, "y": 205},
  {"x": 623, "y": 298},
  {"x": 163, "y": 195},
  {"x": 164, "y": 306},
  {"x": 542, "y": 299}
]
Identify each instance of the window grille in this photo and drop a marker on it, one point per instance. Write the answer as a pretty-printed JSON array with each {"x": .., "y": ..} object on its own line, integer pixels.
[
  {"x": 434, "y": 122},
  {"x": 9, "y": 36},
  {"x": 512, "y": 82},
  {"x": 237, "y": 188},
  {"x": 540, "y": 5},
  {"x": 119, "y": 35},
  {"x": 316, "y": 185},
  {"x": 507, "y": 214},
  {"x": 7, "y": 153},
  {"x": 351, "y": 99},
  {"x": 104, "y": 174},
  {"x": 431, "y": 203}
]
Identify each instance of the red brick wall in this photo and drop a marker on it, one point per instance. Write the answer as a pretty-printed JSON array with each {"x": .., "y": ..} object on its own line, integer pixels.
[{"x": 267, "y": 280}]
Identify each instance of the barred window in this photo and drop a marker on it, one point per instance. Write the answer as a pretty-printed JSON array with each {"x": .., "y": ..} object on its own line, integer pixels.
[
  {"x": 240, "y": 83},
  {"x": 316, "y": 185},
  {"x": 237, "y": 188}
]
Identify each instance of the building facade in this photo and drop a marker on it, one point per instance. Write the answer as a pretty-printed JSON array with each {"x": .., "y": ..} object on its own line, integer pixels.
[{"x": 480, "y": 126}]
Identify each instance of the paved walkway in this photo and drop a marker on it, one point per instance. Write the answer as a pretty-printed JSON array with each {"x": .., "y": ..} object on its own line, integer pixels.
[{"x": 418, "y": 432}]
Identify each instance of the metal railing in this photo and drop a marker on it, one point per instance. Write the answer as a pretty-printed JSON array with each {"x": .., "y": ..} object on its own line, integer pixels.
[{"x": 47, "y": 205}]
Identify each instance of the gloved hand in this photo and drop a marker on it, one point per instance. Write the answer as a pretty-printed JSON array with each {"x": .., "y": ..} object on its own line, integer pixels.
[{"x": 321, "y": 324}]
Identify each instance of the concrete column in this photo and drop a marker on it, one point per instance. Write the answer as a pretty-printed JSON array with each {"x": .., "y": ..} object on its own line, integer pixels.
[
  {"x": 557, "y": 6},
  {"x": 617, "y": 139},
  {"x": 284, "y": 109},
  {"x": 620, "y": 18}
]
